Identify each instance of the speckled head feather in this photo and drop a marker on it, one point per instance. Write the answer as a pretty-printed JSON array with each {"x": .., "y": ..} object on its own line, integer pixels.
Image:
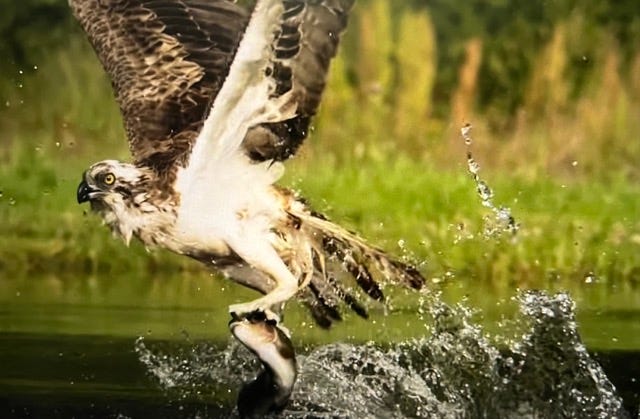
[{"x": 122, "y": 194}]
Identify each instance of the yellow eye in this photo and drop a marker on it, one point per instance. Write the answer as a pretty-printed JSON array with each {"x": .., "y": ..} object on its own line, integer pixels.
[{"x": 109, "y": 179}]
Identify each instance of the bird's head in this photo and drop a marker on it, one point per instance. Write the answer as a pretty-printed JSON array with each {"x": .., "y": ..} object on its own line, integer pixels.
[
  {"x": 110, "y": 183},
  {"x": 114, "y": 190}
]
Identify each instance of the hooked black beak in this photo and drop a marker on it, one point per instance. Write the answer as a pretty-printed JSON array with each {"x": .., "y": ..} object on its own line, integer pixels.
[{"x": 84, "y": 190}]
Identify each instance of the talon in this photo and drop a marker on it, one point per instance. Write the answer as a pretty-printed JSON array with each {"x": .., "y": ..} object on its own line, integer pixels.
[
  {"x": 240, "y": 312},
  {"x": 271, "y": 317},
  {"x": 271, "y": 322},
  {"x": 256, "y": 316}
]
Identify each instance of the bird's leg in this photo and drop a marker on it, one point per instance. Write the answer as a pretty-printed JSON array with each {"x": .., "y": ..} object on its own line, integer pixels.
[
  {"x": 259, "y": 330},
  {"x": 266, "y": 259}
]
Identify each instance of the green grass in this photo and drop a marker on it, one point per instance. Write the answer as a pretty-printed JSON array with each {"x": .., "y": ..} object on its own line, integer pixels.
[{"x": 568, "y": 231}]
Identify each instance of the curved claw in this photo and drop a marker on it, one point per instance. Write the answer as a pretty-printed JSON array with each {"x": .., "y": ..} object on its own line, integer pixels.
[{"x": 254, "y": 316}]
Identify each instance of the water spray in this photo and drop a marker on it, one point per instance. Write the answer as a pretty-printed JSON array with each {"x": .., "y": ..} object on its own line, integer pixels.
[{"x": 503, "y": 220}]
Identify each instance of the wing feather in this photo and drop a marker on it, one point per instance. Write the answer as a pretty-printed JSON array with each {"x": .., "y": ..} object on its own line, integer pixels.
[
  {"x": 308, "y": 40},
  {"x": 247, "y": 98},
  {"x": 271, "y": 87},
  {"x": 167, "y": 60}
]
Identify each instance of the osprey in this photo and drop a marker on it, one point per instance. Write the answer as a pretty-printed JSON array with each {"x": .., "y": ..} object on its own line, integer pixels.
[{"x": 215, "y": 95}]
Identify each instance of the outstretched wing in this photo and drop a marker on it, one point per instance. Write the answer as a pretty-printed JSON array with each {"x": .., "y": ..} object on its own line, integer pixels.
[
  {"x": 306, "y": 42},
  {"x": 168, "y": 60}
]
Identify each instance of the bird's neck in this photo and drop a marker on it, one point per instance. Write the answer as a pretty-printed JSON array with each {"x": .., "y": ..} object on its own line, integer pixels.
[{"x": 144, "y": 216}]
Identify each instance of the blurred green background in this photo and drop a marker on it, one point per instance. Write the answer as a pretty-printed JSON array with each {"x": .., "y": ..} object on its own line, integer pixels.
[{"x": 552, "y": 89}]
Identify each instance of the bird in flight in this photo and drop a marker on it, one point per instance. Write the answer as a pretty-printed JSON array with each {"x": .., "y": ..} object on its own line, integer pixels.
[{"x": 215, "y": 95}]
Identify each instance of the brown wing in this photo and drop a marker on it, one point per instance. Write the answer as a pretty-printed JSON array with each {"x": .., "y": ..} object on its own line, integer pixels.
[
  {"x": 309, "y": 37},
  {"x": 167, "y": 60}
]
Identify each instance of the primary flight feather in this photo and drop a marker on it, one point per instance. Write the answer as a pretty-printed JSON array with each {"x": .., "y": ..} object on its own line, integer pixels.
[{"x": 214, "y": 95}]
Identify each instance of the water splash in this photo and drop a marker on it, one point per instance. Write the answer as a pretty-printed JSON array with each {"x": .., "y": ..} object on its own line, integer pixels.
[
  {"x": 456, "y": 371},
  {"x": 502, "y": 220},
  {"x": 201, "y": 371},
  {"x": 552, "y": 356}
]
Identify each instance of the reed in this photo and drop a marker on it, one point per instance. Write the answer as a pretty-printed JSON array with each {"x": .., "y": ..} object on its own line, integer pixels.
[{"x": 415, "y": 61}]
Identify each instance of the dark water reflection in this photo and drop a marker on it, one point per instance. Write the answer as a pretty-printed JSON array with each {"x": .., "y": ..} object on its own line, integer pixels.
[{"x": 456, "y": 369}]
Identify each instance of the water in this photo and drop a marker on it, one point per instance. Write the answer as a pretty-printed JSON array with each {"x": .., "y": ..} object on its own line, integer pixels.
[
  {"x": 534, "y": 364},
  {"x": 502, "y": 220}
]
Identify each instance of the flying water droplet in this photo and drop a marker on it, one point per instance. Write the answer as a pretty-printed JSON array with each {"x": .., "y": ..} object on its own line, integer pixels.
[
  {"x": 466, "y": 134},
  {"x": 474, "y": 167},
  {"x": 502, "y": 221},
  {"x": 590, "y": 278},
  {"x": 484, "y": 191}
]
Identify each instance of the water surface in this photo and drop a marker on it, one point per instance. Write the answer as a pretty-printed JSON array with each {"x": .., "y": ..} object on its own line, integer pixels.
[{"x": 127, "y": 347}]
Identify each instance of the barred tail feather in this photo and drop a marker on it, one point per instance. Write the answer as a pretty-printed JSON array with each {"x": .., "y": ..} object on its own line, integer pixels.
[
  {"x": 355, "y": 253},
  {"x": 331, "y": 242}
]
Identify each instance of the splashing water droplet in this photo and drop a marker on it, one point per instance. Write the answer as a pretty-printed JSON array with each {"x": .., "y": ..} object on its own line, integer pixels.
[
  {"x": 503, "y": 221},
  {"x": 453, "y": 371},
  {"x": 484, "y": 191},
  {"x": 466, "y": 133},
  {"x": 474, "y": 167}
]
